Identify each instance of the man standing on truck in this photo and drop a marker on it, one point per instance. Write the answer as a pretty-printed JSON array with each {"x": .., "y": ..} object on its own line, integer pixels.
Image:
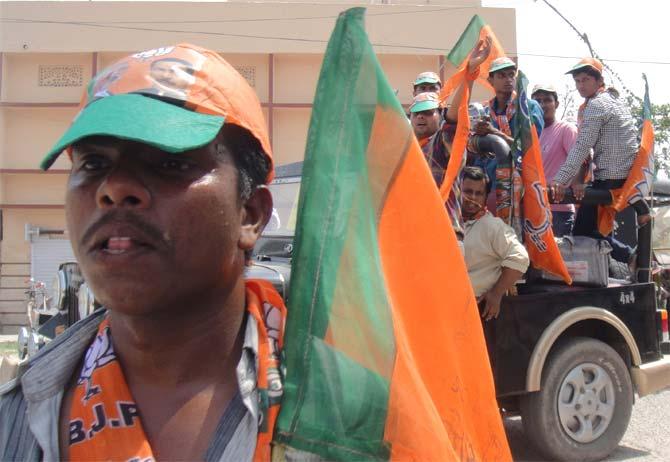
[
  {"x": 606, "y": 127},
  {"x": 436, "y": 135},
  {"x": 556, "y": 140},
  {"x": 500, "y": 111},
  {"x": 426, "y": 82},
  {"x": 495, "y": 258},
  {"x": 164, "y": 201}
]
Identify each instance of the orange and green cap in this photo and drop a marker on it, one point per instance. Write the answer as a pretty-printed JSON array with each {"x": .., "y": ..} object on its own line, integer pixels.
[
  {"x": 424, "y": 102},
  {"x": 501, "y": 63},
  {"x": 585, "y": 63},
  {"x": 427, "y": 77},
  {"x": 175, "y": 98}
]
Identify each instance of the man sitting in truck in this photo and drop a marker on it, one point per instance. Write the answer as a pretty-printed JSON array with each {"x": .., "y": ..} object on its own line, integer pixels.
[
  {"x": 495, "y": 258},
  {"x": 164, "y": 201}
]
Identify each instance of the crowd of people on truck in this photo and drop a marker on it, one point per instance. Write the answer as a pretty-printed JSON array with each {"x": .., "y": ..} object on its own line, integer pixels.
[{"x": 598, "y": 153}]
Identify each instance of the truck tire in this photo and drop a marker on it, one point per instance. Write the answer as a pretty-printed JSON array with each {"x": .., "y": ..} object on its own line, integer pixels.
[{"x": 584, "y": 404}]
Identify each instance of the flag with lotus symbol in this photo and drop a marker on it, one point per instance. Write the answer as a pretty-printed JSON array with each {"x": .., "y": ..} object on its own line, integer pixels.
[{"x": 384, "y": 353}]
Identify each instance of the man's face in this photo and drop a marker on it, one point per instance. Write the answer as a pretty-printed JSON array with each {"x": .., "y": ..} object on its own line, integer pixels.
[
  {"x": 172, "y": 74},
  {"x": 474, "y": 196},
  {"x": 548, "y": 103},
  {"x": 586, "y": 84},
  {"x": 150, "y": 228},
  {"x": 503, "y": 81},
  {"x": 426, "y": 88},
  {"x": 425, "y": 123}
]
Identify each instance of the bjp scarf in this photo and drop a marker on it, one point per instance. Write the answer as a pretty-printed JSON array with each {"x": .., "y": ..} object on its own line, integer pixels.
[
  {"x": 504, "y": 120},
  {"x": 105, "y": 422}
]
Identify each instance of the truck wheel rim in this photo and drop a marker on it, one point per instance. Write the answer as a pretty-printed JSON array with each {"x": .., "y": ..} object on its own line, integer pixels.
[{"x": 586, "y": 402}]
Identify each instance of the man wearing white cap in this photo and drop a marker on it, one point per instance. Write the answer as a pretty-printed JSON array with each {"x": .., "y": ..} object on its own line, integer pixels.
[
  {"x": 427, "y": 82},
  {"x": 556, "y": 141}
]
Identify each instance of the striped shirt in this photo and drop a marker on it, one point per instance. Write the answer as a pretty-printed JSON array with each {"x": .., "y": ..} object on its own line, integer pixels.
[
  {"x": 608, "y": 128},
  {"x": 437, "y": 151}
]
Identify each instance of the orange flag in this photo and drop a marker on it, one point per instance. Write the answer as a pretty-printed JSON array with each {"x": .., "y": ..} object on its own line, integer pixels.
[
  {"x": 538, "y": 235},
  {"x": 375, "y": 370},
  {"x": 460, "y": 138},
  {"x": 476, "y": 30}
]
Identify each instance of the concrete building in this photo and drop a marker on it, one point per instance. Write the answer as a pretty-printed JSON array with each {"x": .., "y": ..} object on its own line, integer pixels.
[{"x": 49, "y": 51}]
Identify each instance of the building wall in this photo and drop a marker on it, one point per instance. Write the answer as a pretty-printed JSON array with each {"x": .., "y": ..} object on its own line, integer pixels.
[{"x": 46, "y": 60}]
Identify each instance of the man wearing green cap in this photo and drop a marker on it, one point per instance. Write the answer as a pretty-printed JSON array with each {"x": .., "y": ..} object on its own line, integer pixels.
[
  {"x": 165, "y": 199},
  {"x": 436, "y": 136},
  {"x": 427, "y": 82},
  {"x": 500, "y": 111}
]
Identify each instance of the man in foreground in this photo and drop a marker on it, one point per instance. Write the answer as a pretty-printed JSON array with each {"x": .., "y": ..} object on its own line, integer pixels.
[
  {"x": 556, "y": 140},
  {"x": 164, "y": 201},
  {"x": 495, "y": 258}
]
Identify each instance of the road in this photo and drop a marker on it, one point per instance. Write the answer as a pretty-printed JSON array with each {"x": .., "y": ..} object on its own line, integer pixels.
[{"x": 644, "y": 441}]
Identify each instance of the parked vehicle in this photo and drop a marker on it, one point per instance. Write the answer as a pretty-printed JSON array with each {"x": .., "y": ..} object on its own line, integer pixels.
[{"x": 49, "y": 314}]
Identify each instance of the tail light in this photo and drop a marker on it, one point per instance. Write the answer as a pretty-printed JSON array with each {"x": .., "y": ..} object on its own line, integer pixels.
[{"x": 664, "y": 325}]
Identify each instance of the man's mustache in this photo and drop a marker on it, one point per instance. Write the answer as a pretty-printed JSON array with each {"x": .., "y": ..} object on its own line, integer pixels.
[
  {"x": 467, "y": 199},
  {"x": 126, "y": 218}
]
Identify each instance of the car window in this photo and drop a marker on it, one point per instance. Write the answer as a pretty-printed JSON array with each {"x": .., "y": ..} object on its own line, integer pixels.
[{"x": 285, "y": 192}]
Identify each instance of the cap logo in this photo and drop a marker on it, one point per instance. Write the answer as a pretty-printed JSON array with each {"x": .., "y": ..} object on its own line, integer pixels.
[
  {"x": 142, "y": 55},
  {"x": 167, "y": 72}
]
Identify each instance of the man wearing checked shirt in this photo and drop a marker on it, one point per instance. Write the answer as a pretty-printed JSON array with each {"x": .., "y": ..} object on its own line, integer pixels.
[{"x": 607, "y": 127}]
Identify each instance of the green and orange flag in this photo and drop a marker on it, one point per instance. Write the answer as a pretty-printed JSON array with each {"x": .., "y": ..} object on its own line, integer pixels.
[
  {"x": 384, "y": 353},
  {"x": 476, "y": 30},
  {"x": 637, "y": 184},
  {"x": 538, "y": 234}
]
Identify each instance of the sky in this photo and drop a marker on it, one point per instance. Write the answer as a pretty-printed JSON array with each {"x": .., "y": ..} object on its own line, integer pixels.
[{"x": 630, "y": 36}]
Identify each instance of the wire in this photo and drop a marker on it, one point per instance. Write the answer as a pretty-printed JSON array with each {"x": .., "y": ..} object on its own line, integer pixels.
[
  {"x": 112, "y": 25},
  {"x": 206, "y": 21}
]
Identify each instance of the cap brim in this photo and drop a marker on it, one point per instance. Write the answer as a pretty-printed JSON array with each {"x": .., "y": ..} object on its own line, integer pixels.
[
  {"x": 501, "y": 67},
  {"x": 423, "y": 106},
  {"x": 163, "y": 125},
  {"x": 426, "y": 80},
  {"x": 580, "y": 67}
]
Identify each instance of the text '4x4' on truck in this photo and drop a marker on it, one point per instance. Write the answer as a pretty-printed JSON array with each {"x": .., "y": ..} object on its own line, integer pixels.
[{"x": 569, "y": 359}]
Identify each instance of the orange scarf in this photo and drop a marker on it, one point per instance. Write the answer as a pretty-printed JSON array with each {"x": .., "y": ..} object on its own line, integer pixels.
[
  {"x": 504, "y": 120},
  {"x": 105, "y": 422}
]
